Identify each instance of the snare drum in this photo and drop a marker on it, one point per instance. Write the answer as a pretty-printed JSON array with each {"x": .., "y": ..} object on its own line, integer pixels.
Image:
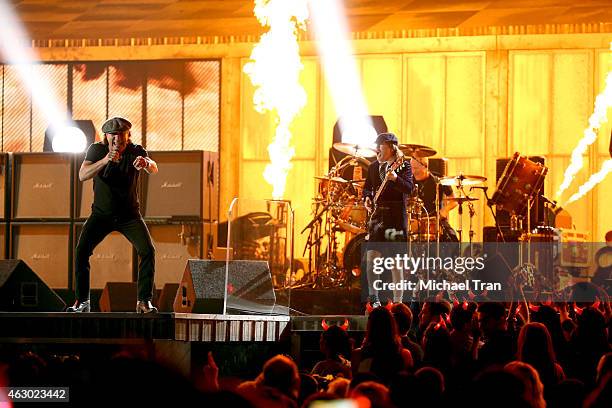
[
  {"x": 521, "y": 179},
  {"x": 424, "y": 229}
]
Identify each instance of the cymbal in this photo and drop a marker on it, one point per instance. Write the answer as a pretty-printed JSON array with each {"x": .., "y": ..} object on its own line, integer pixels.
[
  {"x": 354, "y": 150},
  {"x": 460, "y": 199},
  {"x": 463, "y": 180},
  {"x": 416, "y": 150},
  {"x": 332, "y": 179}
]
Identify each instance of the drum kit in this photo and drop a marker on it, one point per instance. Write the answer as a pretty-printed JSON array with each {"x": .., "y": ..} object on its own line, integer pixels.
[
  {"x": 339, "y": 224},
  {"x": 338, "y": 209}
]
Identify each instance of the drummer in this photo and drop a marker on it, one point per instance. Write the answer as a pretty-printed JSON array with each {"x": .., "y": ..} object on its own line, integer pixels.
[{"x": 426, "y": 191}]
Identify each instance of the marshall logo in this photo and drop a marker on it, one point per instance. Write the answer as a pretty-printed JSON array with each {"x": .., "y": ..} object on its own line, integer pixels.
[
  {"x": 166, "y": 184},
  {"x": 40, "y": 256},
  {"x": 171, "y": 257},
  {"x": 105, "y": 257},
  {"x": 42, "y": 185}
]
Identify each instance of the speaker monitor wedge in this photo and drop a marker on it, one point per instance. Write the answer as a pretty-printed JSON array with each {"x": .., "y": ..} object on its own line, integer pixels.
[
  {"x": 202, "y": 288},
  {"x": 21, "y": 290},
  {"x": 121, "y": 297},
  {"x": 166, "y": 298}
]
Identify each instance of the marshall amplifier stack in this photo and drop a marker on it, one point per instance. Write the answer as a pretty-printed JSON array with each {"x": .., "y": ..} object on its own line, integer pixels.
[
  {"x": 40, "y": 205},
  {"x": 43, "y": 207}
]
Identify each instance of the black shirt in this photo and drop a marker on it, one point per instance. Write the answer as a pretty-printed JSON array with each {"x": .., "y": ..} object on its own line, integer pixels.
[
  {"x": 427, "y": 192},
  {"x": 115, "y": 189}
]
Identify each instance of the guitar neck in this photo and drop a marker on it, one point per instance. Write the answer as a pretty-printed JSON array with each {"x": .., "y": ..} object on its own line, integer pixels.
[
  {"x": 380, "y": 190},
  {"x": 399, "y": 162}
]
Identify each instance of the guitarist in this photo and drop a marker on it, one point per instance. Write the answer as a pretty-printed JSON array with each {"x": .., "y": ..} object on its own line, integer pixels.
[{"x": 386, "y": 193}]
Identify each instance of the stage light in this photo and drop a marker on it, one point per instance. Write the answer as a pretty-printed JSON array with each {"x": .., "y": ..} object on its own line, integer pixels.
[
  {"x": 331, "y": 32},
  {"x": 274, "y": 70},
  {"x": 69, "y": 139}
]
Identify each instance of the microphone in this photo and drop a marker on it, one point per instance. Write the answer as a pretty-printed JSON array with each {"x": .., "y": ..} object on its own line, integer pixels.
[{"x": 112, "y": 164}]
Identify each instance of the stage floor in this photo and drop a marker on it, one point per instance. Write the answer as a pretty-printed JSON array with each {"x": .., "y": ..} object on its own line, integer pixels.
[
  {"x": 179, "y": 340},
  {"x": 117, "y": 327}
]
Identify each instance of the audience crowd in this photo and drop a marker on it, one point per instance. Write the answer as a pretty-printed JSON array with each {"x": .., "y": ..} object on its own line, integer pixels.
[{"x": 431, "y": 354}]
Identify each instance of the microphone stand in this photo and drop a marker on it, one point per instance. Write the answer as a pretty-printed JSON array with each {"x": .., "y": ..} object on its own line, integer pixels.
[{"x": 499, "y": 230}]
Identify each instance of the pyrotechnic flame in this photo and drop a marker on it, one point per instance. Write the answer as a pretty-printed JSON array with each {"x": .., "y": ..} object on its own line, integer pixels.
[
  {"x": 274, "y": 71},
  {"x": 598, "y": 118},
  {"x": 595, "y": 179}
]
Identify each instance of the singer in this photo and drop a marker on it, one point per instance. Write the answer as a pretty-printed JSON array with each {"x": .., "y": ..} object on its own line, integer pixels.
[{"x": 115, "y": 164}]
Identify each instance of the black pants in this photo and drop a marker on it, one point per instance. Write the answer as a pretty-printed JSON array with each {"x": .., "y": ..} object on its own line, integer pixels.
[{"x": 96, "y": 228}]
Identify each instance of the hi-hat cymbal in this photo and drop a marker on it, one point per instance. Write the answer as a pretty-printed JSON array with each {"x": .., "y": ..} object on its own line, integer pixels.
[
  {"x": 416, "y": 150},
  {"x": 460, "y": 200},
  {"x": 463, "y": 180},
  {"x": 332, "y": 179},
  {"x": 354, "y": 150}
]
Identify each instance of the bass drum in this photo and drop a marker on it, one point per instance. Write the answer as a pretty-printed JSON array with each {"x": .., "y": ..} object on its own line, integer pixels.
[
  {"x": 522, "y": 178},
  {"x": 351, "y": 259}
]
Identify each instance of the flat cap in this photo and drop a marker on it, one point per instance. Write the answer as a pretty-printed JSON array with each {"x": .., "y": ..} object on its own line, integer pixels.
[
  {"x": 386, "y": 137},
  {"x": 116, "y": 125}
]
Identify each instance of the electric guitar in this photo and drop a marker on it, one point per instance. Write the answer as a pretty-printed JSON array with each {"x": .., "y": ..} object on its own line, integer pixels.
[{"x": 396, "y": 167}]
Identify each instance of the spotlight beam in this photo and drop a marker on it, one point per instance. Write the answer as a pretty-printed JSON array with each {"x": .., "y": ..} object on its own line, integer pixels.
[
  {"x": 329, "y": 23},
  {"x": 13, "y": 38}
]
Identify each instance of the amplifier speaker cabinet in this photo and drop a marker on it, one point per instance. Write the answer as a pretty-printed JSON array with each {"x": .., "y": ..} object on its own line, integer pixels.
[
  {"x": 4, "y": 186},
  {"x": 113, "y": 260},
  {"x": 42, "y": 186},
  {"x": 46, "y": 248},
  {"x": 83, "y": 198},
  {"x": 176, "y": 243},
  {"x": 186, "y": 187},
  {"x": 83, "y": 191},
  {"x": 3, "y": 240}
]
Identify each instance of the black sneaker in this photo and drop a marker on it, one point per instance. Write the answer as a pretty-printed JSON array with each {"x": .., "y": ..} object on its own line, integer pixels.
[
  {"x": 79, "y": 307},
  {"x": 145, "y": 306}
]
